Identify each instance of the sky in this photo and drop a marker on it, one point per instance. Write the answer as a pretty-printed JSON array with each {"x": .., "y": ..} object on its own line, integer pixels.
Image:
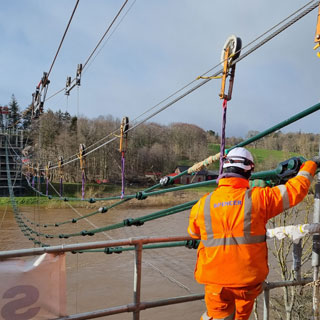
[{"x": 158, "y": 47}]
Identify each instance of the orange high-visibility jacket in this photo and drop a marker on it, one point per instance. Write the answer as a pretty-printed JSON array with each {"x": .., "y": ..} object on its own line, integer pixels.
[{"x": 231, "y": 223}]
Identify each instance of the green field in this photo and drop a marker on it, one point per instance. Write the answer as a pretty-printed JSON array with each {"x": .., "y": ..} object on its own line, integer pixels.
[{"x": 264, "y": 159}]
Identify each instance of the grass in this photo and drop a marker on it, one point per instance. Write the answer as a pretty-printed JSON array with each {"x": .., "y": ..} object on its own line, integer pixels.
[{"x": 24, "y": 201}]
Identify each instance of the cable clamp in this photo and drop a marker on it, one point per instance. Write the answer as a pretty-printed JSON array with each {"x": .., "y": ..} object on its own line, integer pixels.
[
  {"x": 109, "y": 250},
  {"x": 131, "y": 222},
  {"x": 192, "y": 244},
  {"x": 103, "y": 209},
  {"x": 140, "y": 195},
  {"x": 165, "y": 181}
]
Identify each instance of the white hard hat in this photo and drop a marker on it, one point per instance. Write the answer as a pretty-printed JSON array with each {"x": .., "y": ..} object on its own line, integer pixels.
[{"x": 240, "y": 158}]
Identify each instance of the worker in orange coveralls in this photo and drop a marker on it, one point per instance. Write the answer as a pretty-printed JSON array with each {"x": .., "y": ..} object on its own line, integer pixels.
[{"x": 231, "y": 222}]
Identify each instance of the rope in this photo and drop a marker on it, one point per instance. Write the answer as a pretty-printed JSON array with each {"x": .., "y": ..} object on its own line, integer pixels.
[
  {"x": 82, "y": 152},
  {"x": 223, "y": 134},
  {"x": 122, "y": 174}
]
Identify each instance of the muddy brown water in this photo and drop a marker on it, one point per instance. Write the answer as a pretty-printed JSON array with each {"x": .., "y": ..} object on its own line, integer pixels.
[{"x": 98, "y": 281}]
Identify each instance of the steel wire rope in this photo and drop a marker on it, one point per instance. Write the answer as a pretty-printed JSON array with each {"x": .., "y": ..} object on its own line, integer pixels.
[
  {"x": 88, "y": 59},
  {"x": 96, "y": 47},
  {"x": 268, "y": 38},
  {"x": 60, "y": 45},
  {"x": 205, "y": 81},
  {"x": 114, "y": 29},
  {"x": 64, "y": 34},
  {"x": 125, "y": 223},
  {"x": 217, "y": 65},
  {"x": 63, "y": 37},
  {"x": 265, "y": 33},
  {"x": 169, "y": 277},
  {"x": 187, "y": 85},
  {"x": 260, "y": 175},
  {"x": 73, "y": 220},
  {"x": 130, "y": 222},
  {"x": 108, "y": 29}
]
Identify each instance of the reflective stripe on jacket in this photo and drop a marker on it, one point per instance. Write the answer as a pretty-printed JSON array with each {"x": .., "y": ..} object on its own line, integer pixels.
[{"x": 231, "y": 225}]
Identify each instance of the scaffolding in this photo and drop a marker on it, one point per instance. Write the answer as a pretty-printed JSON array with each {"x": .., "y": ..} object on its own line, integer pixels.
[{"x": 14, "y": 137}]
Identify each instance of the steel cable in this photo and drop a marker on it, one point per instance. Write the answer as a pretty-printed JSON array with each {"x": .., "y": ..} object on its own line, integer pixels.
[
  {"x": 64, "y": 34},
  {"x": 242, "y": 56}
]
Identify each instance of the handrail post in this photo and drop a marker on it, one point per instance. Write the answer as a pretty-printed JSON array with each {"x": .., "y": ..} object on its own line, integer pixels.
[
  {"x": 316, "y": 251},
  {"x": 296, "y": 254},
  {"x": 266, "y": 298},
  {"x": 137, "y": 280}
]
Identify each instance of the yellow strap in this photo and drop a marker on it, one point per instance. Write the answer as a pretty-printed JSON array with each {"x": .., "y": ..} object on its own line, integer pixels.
[
  {"x": 81, "y": 159},
  {"x": 122, "y": 128},
  {"x": 225, "y": 73}
]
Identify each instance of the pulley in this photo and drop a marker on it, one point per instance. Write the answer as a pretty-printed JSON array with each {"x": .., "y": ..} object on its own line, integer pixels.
[{"x": 230, "y": 52}]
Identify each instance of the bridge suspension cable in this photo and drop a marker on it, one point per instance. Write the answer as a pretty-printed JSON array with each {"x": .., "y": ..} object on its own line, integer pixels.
[
  {"x": 96, "y": 47},
  {"x": 63, "y": 37},
  {"x": 134, "y": 124}
]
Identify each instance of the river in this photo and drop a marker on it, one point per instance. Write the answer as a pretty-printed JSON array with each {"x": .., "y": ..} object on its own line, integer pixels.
[{"x": 99, "y": 281}]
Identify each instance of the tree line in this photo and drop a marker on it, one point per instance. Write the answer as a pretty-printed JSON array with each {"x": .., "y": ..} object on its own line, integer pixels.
[{"x": 150, "y": 147}]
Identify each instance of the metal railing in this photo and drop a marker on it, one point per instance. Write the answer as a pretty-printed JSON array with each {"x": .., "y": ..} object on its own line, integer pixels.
[{"x": 137, "y": 306}]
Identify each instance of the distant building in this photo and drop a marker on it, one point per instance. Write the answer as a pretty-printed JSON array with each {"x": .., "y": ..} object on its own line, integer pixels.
[
  {"x": 188, "y": 178},
  {"x": 155, "y": 176}
]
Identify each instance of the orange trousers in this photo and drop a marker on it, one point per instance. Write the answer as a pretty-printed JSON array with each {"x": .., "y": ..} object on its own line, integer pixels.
[{"x": 230, "y": 303}]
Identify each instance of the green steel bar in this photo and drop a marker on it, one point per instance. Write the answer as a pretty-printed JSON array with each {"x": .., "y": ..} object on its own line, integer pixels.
[
  {"x": 280, "y": 125},
  {"x": 158, "y": 214},
  {"x": 269, "y": 175},
  {"x": 146, "y": 246}
]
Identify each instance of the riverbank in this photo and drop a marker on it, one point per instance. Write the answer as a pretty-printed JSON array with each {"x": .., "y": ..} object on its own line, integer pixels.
[{"x": 162, "y": 200}]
